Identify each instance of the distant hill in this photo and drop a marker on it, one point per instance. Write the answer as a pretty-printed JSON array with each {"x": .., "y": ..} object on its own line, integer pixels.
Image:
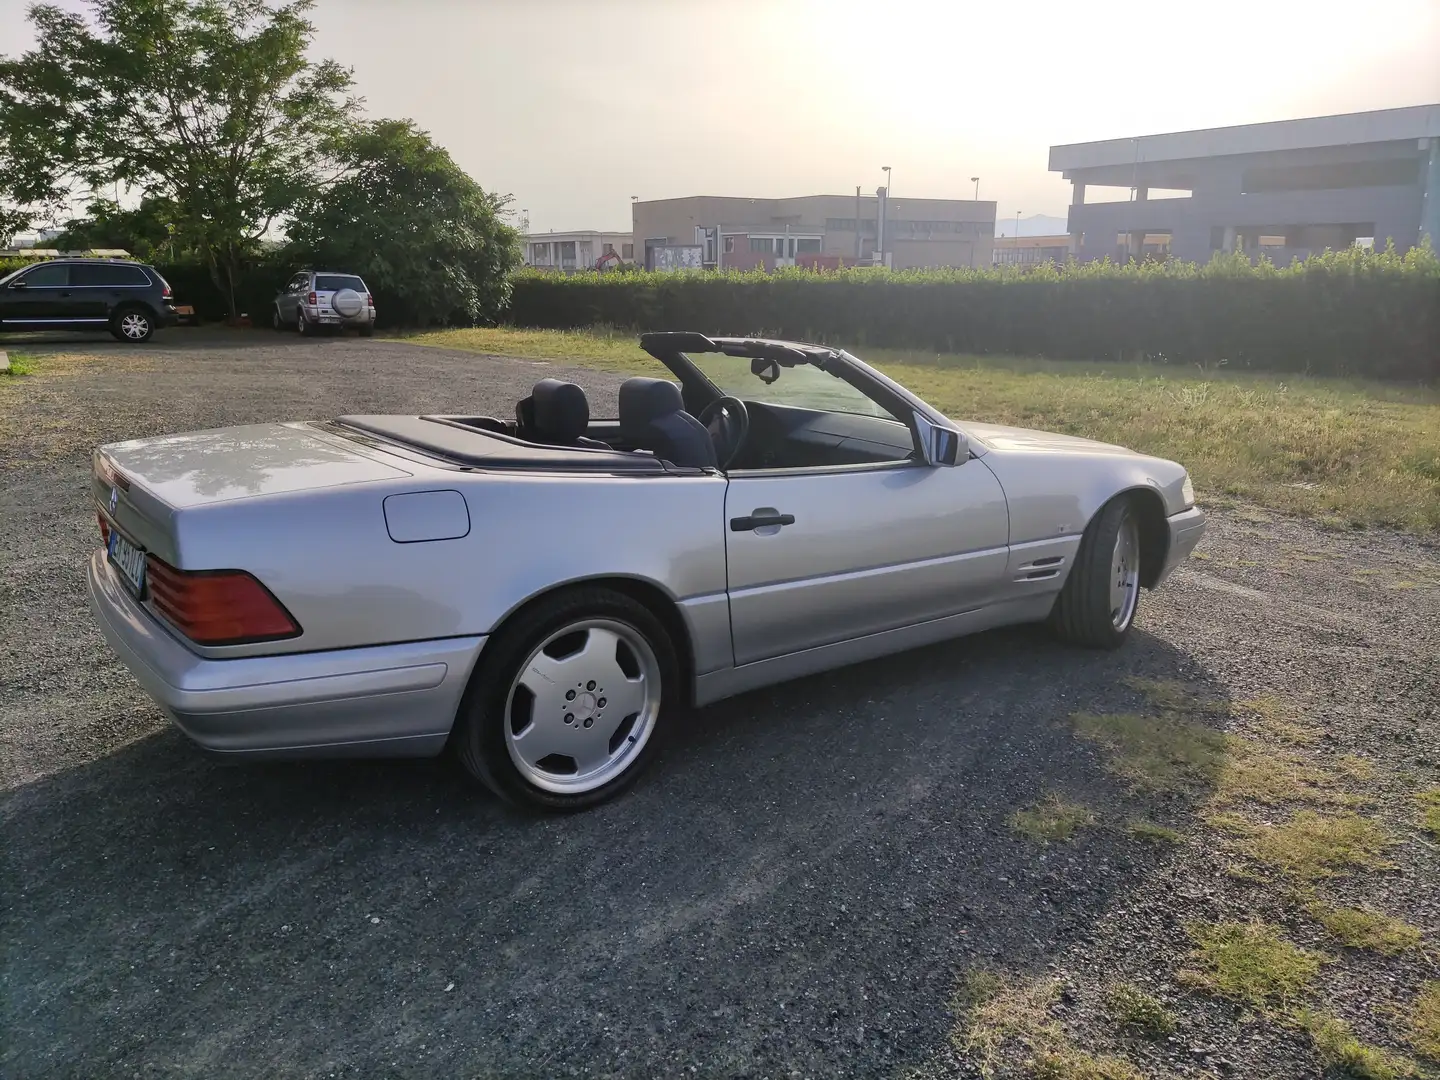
[{"x": 1035, "y": 225}]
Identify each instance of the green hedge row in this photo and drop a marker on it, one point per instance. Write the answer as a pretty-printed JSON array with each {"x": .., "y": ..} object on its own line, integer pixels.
[{"x": 1353, "y": 312}]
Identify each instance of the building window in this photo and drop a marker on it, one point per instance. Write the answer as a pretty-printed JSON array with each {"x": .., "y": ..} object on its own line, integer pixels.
[
  {"x": 729, "y": 245},
  {"x": 627, "y": 251},
  {"x": 762, "y": 245},
  {"x": 609, "y": 249},
  {"x": 807, "y": 246}
]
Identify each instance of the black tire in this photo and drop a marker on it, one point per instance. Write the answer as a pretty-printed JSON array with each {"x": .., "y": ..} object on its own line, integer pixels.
[
  {"x": 132, "y": 324},
  {"x": 1082, "y": 613},
  {"x": 479, "y": 740},
  {"x": 276, "y": 323},
  {"x": 367, "y": 331},
  {"x": 302, "y": 324}
]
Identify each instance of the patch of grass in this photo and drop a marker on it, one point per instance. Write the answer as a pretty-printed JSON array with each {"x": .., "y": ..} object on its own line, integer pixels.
[
  {"x": 1360, "y": 928},
  {"x": 1356, "y": 767},
  {"x": 1153, "y": 753},
  {"x": 1131, "y": 1007},
  {"x": 19, "y": 365},
  {"x": 1425, "y": 1021},
  {"x": 1002, "y": 1021},
  {"x": 1149, "y": 830},
  {"x": 1276, "y": 718},
  {"x": 1430, "y": 810},
  {"x": 1364, "y": 451},
  {"x": 1338, "y": 1047},
  {"x": 1250, "y": 963},
  {"x": 1312, "y": 846},
  {"x": 1072, "y": 1063},
  {"x": 1052, "y": 818}
]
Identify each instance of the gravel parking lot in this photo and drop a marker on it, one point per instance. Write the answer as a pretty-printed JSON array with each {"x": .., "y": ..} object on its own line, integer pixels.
[{"x": 792, "y": 891}]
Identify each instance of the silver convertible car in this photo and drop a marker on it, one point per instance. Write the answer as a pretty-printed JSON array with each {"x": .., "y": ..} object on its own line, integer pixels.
[{"x": 543, "y": 596}]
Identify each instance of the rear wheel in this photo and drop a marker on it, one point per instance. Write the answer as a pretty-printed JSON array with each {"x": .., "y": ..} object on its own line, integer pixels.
[
  {"x": 302, "y": 324},
  {"x": 368, "y": 330},
  {"x": 566, "y": 707},
  {"x": 1097, "y": 606},
  {"x": 276, "y": 322},
  {"x": 132, "y": 325}
]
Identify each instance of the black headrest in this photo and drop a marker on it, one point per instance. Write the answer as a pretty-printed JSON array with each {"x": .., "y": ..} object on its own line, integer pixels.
[
  {"x": 559, "y": 410},
  {"x": 643, "y": 400}
]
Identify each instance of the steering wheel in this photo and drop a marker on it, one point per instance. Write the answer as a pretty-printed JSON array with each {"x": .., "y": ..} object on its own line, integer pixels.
[{"x": 729, "y": 425}]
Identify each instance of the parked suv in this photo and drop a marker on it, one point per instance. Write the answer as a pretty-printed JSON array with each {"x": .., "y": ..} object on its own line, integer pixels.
[
  {"x": 317, "y": 298},
  {"x": 129, "y": 298}
]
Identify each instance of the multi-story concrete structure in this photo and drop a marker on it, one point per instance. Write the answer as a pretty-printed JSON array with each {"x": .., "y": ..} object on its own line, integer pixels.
[
  {"x": 736, "y": 233},
  {"x": 577, "y": 250},
  {"x": 1286, "y": 189}
]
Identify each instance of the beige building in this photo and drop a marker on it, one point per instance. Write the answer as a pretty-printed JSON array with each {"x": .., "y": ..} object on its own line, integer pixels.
[
  {"x": 584, "y": 250},
  {"x": 824, "y": 230},
  {"x": 1033, "y": 250}
]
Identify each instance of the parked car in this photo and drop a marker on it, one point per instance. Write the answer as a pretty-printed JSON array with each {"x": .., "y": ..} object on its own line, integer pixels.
[
  {"x": 130, "y": 299},
  {"x": 544, "y": 595},
  {"x": 315, "y": 299}
]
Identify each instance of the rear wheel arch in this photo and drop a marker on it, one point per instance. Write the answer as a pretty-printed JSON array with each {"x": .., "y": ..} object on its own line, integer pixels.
[{"x": 655, "y": 599}]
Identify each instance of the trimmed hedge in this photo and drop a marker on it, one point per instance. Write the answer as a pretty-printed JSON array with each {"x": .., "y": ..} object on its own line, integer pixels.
[{"x": 1353, "y": 312}]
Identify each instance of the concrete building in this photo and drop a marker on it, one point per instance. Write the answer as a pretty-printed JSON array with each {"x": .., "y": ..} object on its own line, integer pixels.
[
  {"x": 737, "y": 233},
  {"x": 1286, "y": 189},
  {"x": 1032, "y": 250},
  {"x": 583, "y": 250}
]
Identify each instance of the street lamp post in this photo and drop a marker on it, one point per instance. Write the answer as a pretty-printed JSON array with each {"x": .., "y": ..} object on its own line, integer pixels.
[
  {"x": 976, "y": 181},
  {"x": 882, "y": 237}
]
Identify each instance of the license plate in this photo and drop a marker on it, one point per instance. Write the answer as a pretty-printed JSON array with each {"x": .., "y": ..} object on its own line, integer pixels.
[
  {"x": 184, "y": 309},
  {"x": 129, "y": 560}
]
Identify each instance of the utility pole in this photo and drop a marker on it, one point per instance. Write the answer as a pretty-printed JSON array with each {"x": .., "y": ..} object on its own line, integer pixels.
[{"x": 857, "y": 224}]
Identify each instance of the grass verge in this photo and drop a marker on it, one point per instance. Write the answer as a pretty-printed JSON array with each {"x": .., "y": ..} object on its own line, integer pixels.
[
  {"x": 1130, "y": 1007},
  {"x": 19, "y": 365},
  {"x": 1430, "y": 811},
  {"x": 1359, "y": 452},
  {"x": 1425, "y": 1021},
  {"x": 1360, "y": 928}
]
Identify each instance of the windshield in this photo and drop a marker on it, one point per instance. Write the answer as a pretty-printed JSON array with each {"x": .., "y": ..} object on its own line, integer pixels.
[{"x": 804, "y": 386}]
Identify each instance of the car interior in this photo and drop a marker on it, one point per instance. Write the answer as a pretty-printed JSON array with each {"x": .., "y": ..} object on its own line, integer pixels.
[{"x": 727, "y": 433}]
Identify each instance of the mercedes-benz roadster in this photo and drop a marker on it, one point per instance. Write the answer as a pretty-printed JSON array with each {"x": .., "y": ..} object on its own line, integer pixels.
[{"x": 545, "y": 595}]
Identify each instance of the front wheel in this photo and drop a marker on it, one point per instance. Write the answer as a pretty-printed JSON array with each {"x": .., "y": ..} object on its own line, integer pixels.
[
  {"x": 1097, "y": 606},
  {"x": 276, "y": 322},
  {"x": 132, "y": 325},
  {"x": 565, "y": 709}
]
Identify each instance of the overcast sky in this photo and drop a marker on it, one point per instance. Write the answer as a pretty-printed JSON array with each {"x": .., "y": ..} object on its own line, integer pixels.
[{"x": 576, "y": 105}]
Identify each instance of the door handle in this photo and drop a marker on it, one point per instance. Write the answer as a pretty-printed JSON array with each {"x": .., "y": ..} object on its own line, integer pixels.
[
  {"x": 64, "y": 294},
  {"x": 758, "y": 519}
]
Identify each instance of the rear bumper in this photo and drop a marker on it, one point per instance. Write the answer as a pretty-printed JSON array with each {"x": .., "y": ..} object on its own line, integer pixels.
[
  {"x": 1186, "y": 528},
  {"x": 327, "y": 317},
  {"x": 387, "y": 700}
]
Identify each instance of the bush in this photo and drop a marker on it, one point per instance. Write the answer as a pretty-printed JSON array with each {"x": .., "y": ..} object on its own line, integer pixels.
[{"x": 1350, "y": 312}]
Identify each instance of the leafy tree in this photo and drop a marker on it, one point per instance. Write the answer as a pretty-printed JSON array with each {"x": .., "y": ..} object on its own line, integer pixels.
[
  {"x": 147, "y": 231},
  {"x": 420, "y": 231},
  {"x": 211, "y": 104}
]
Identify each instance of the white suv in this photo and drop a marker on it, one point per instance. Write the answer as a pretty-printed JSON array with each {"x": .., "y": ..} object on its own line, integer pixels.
[{"x": 315, "y": 298}]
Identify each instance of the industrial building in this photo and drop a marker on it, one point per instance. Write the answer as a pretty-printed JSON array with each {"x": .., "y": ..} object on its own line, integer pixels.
[
  {"x": 1285, "y": 189},
  {"x": 716, "y": 232}
]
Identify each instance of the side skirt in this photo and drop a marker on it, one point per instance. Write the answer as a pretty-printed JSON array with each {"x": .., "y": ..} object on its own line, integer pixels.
[{"x": 728, "y": 682}]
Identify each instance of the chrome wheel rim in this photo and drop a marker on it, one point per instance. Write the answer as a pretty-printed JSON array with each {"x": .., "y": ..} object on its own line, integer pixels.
[
  {"x": 1125, "y": 574},
  {"x": 134, "y": 326},
  {"x": 582, "y": 706}
]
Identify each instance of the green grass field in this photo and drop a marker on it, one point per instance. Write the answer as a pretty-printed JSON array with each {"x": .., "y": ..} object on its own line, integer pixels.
[{"x": 1346, "y": 452}]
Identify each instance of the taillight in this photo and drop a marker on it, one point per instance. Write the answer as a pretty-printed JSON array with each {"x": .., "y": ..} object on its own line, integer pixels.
[
  {"x": 312, "y": 299},
  {"x": 370, "y": 300},
  {"x": 165, "y": 292},
  {"x": 217, "y": 607},
  {"x": 104, "y": 528}
]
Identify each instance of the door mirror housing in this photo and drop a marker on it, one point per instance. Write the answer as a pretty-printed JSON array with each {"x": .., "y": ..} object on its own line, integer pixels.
[{"x": 941, "y": 446}]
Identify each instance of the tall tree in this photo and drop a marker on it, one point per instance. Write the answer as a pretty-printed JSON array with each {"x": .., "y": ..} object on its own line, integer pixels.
[
  {"x": 210, "y": 104},
  {"x": 147, "y": 231},
  {"x": 423, "y": 234}
]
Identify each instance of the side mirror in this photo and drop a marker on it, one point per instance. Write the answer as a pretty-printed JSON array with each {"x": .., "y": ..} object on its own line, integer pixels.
[
  {"x": 941, "y": 445},
  {"x": 767, "y": 371}
]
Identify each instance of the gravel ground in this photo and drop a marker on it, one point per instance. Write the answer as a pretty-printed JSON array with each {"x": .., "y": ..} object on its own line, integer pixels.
[{"x": 791, "y": 892}]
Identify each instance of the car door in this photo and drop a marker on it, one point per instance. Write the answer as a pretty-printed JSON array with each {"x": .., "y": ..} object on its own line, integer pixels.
[
  {"x": 39, "y": 298},
  {"x": 97, "y": 289},
  {"x": 818, "y": 556},
  {"x": 286, "y": 300}
]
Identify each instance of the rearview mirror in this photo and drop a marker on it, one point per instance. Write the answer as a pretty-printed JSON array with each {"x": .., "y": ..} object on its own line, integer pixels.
[
  {"x": 941, "y": 445},
  {"x": 767, "y": 371}
]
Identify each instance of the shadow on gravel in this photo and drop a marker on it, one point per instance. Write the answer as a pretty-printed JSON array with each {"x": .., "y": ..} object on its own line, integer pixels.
[
  {"x": 171, "y": 339},
  {"x": 794, "y": 886}
]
